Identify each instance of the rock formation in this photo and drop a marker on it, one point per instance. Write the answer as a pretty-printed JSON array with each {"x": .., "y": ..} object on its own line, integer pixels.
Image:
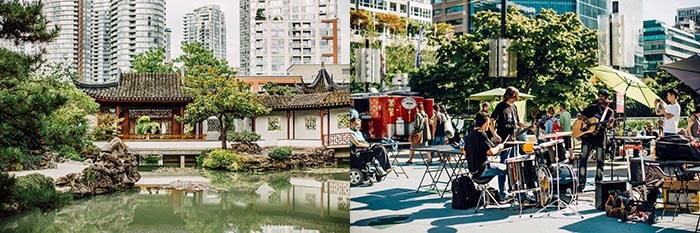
[{"x": 112, "y": 169}]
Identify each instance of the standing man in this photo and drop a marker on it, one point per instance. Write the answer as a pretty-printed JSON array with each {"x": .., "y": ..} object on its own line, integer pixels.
[
  {"x": 505, "y": 115},
  {"x": 565, "y": 121},
  {"x": 595, "y": 140},
  {"x": 671, "y": 113}
]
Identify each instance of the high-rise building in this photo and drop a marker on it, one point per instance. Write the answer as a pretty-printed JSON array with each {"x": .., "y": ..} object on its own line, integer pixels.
[
  {"x": 69, "y": 48},
  {"x": 100, "y": 45},
  {"x": 664, "y": 44},
  {"x": 420, "y": 10},
  {"x": 587, "y": 10},
  {"x": 689, "y": 19},
  {"x": 276, "y": 34},
  {"x": 206, "y": 25},
  {"x": 167, "y": 44},
  {"x": 136, "y": 26},
  {"x": 631, "y": 10},
  {"x": 455, "y": 13}
]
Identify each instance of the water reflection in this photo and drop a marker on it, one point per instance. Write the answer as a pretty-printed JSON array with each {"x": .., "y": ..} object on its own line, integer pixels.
[{"x": 279, "y": 202}]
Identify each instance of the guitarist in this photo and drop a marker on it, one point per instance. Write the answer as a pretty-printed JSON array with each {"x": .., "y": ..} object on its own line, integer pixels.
[{"x": 594, "y": 141}]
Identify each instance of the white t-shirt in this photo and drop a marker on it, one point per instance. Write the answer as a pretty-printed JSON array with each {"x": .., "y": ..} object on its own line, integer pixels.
[{"x": 671, "y": 125}]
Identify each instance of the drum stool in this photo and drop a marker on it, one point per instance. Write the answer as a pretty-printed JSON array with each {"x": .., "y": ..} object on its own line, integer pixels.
[{"x": 482, "y": 184}]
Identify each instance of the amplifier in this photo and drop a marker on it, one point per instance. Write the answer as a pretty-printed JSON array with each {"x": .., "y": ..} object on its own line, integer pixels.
[{"x": 603, "y": 190}]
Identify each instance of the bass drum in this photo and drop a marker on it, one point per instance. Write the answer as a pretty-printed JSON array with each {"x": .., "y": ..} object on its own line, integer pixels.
[
  {"x": 567, "y": 182},
  {"x": 544, "y": 180}
]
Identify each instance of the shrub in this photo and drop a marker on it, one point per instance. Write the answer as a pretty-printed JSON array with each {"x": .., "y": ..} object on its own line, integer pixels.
[
  {"x": 69, "y": 153},
  {"x": 108, "y": 126},
  {"x": 151, "y": 159},
  {"x": 38, "y": 191},
  {"x": 281, "y": 153},
  {"x": 11, "y": 158},
  {"x": 246, "y": 137},
  {"x": 144, "y": 125},
  {"x": 7, "y": 182},
  {"x": 220, "y": 159}
]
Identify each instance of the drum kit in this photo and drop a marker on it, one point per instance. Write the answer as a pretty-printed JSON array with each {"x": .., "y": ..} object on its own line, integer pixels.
[{"x": 531, "y": 173}]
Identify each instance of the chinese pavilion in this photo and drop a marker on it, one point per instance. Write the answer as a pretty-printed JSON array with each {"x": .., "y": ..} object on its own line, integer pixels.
[{"x": 158, "y": 96}]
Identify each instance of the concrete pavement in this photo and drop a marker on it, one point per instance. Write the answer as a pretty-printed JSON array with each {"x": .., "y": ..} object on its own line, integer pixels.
[{"x": 393, "y": 205}]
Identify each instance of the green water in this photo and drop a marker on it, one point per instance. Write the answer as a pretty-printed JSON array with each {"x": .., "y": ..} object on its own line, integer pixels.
[{"x": 297, "y": 201}]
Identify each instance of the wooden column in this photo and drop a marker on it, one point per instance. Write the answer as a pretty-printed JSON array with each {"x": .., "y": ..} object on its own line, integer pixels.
[
  {"x": 126, "y": 124},
  {"x": 289, "y": 128},
  {"x": 323, "y": 142}
]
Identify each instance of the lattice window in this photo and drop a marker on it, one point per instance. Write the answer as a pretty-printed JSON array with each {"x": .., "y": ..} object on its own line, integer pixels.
[
  {"x": 213, "y": 125},
  {"x": 343, "y": 204},
  {"x": 239, "y": 125},
  {"x": 274, "y": 197},
  {"x": 273, "y": 124},
  {"x": 343, "y": 120},
  {"x": 310, "y": 122},
  {"x": 310, "y": 200}
]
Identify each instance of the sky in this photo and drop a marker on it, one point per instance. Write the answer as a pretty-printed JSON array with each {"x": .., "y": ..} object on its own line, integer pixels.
[
  {"x": 664, "y": 10},
  {"x": 175, "y": 10}
]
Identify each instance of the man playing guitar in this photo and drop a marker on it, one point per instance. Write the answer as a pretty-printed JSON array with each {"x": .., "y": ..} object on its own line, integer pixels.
[{"x": 594, "y": 141}]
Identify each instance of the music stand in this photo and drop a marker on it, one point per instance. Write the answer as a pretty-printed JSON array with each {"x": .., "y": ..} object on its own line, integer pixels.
[{"x": 559, "y": 201}]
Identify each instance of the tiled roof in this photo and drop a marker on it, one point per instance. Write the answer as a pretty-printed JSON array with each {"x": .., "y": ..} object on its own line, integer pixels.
[
  {"x": 331, "y": 99},
  {"x": 139, "y": 87},
  {"x": 323, "y": 83}
]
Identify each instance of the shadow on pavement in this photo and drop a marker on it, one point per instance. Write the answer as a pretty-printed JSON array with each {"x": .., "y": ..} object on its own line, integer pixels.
[
  {"x": 602, "y": 223},
  {"x": 394, "y": 199}
]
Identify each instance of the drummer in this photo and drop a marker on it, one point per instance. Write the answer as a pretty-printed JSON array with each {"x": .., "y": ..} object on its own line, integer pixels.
[{"x": 480, "y": 146}]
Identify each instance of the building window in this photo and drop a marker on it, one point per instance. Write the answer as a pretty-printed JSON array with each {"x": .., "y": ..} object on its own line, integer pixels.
[
  {"x": 437, "y": 12},
  {"x": 454, "y": 9},
  {"x": 273, "y": 124},
  {"x": 343, "y": 120},
  {"x": 310, "y": 122}
]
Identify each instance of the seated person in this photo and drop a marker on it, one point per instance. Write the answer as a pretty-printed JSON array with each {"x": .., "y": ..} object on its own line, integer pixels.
[
  {"x": 479, "y": 147},
  {"x": 358, "y": 141}
]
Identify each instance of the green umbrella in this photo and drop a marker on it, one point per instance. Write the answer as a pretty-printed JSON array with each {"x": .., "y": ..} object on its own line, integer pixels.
[
  {"x": 625, "y": 83},
  {"x": 495, "y": 94}
]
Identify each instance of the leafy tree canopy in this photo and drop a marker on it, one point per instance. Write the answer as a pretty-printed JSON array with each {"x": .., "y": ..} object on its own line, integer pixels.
[
  {"x": 152, "y": 62},
  {"x": 554, "y": 51}
]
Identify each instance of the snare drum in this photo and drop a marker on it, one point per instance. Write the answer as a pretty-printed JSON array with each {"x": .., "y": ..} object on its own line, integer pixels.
[{"x": 522, "y": 175}]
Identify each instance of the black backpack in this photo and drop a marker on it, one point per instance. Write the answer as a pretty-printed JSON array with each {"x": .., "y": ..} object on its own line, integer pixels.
[{"x": 464, "y": 193}]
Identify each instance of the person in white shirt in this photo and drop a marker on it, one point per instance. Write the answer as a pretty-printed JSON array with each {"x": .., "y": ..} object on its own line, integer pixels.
[{"x": 670, "y": 112}]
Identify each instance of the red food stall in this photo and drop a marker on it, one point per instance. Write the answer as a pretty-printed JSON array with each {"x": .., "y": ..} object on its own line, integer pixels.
[{"x": 389, "y": 114}]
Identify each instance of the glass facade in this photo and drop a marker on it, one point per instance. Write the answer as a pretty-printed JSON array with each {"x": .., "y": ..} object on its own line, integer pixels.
[
  {"x": 664, "y": 44},
  {"x": 587, "y": 10}
]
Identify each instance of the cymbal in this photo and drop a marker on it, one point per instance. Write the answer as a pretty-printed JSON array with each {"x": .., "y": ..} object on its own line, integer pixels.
[
  {"x": 558, "y": 134},
  {"x": 515, "y": 142}
]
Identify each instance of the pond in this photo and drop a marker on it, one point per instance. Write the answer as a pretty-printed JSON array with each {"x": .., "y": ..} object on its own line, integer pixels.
[{"x": 316, "y": 200}]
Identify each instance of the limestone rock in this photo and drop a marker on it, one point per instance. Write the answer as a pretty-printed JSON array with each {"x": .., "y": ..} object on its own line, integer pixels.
[{"x": 113, "y": 169}]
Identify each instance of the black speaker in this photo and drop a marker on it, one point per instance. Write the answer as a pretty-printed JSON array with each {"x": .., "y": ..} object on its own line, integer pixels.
[{"x": 603, "y": 190}]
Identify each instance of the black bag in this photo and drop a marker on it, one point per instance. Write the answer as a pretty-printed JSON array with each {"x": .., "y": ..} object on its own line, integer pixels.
[
  {"x": 674, "y": 148},
  {"x": 464, "y": 193}
]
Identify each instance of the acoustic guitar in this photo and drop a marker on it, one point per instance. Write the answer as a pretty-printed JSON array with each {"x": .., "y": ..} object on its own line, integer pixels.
[{"x": 582, "y": 128}]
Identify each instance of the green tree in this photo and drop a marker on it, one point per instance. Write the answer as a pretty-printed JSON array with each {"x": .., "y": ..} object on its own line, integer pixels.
[
  {"x": 38, "y": 112},
  {"x": 278, "y": 89},
  {"x": 360, "y": 19},
  {"x": 152, "y": 62},
  {"x": 198, "y": 60},
  {"x": 215, "y": 91},
  {"x": 554, "y": 52}
]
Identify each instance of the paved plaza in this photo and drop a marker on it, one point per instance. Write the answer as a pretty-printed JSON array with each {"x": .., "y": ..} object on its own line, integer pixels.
[{"x": 393, "y": 205}]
